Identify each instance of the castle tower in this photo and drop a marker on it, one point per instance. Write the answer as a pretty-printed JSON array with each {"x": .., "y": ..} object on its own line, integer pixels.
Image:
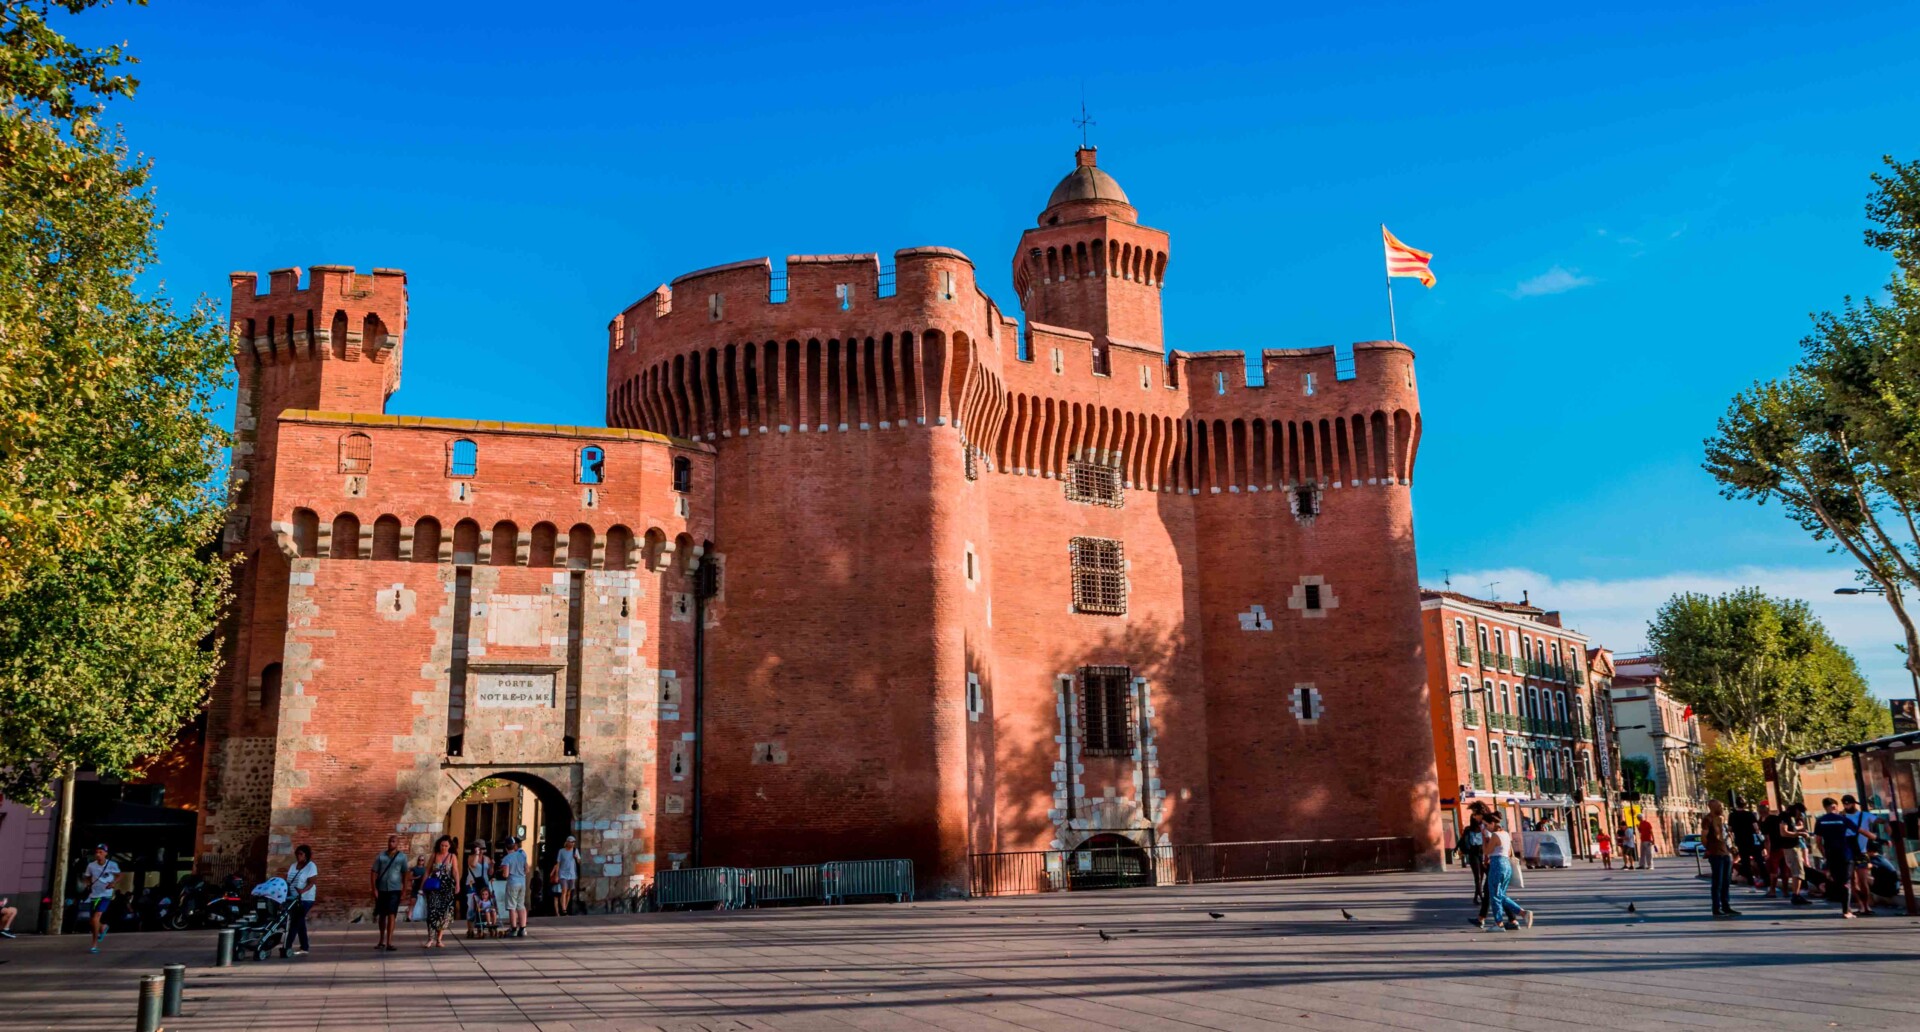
[
  {"x": 331, "y": 345},
  {"x": 1090, "y": 265}
]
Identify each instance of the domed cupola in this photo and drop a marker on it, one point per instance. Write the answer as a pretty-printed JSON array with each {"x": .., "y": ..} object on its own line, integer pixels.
[
  {"x": 1090, "y": 265},
  {"x": 1087, "y": 192}
]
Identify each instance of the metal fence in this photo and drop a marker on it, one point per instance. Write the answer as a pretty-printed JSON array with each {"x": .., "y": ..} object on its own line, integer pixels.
[
  {"x": 844, "y": 879},
  {"x": 1125, "y": 866},
  {"x": 720, "y": 887},
  {"x": 784, "y": 884}
]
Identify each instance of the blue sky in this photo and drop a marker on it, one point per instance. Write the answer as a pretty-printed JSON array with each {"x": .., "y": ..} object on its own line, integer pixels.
[{"x": 1633, "y": 209}]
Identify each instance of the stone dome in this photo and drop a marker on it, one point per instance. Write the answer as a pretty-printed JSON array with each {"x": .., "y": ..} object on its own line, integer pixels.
[{"x": 1087, "y": 182}]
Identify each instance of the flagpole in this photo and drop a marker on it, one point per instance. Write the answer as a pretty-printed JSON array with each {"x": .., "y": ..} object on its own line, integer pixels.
[{"x": 1393, "y": 322}]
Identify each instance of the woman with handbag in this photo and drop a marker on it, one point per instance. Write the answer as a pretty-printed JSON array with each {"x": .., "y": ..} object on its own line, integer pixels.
[{"x": 441, "y": 888}]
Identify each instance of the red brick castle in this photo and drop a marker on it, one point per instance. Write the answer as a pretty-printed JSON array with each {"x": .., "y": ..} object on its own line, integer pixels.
[{"x": 862, "y": 569}]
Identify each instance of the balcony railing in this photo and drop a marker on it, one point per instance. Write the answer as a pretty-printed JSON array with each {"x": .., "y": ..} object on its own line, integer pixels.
[
  {"x": 1470, "y": 718},
  {"x": 1464, "y": 654},
  {"x": 1479, "y": 781}
]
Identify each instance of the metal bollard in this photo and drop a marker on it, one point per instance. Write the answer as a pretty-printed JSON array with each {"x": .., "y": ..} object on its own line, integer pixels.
[
  {"x": 223, "y": 950},
  {"x": 176, "y": 983},
  {"x": 150, "y": 990}
]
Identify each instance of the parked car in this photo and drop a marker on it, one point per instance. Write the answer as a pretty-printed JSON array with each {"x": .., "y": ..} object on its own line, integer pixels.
[{"x": 1690, "y": 845}]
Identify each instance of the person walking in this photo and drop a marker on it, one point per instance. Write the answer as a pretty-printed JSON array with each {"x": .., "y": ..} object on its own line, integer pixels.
[
  {"x": 513, "y": 865},
  {"x": 102, "y": 874},
  {"x": 440, "y": 885},
  {"x": 1769, "y": 835},
  {"x": 1743, "y": 828},
  {"x": 1500, "y": 861},
  {"x": 1838, "y": 841},
  {"x": 389, "y": 890},
  {"x": 566, "y": 873},
  {"x": 1791, "y": 841},
  {"x": 1628, "y": 848},
  {"x": 473, "y": 878},
  {"x": 1713, "y": 840},
  {"x": 1605, "y": 843},
  {"x": 301, "y": 875},
  {"x": 1471, "y": 847},
  {"x": 1645, "y": 838},
  {"x": 1861, "y": 821}
]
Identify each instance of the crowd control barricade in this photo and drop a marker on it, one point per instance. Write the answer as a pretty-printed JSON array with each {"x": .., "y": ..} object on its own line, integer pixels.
[
  {"x": 1124, "y": 865},
  {"x": 795, "y": 884},
  {"x": 719, "y": 887},
  {"x": 848, "y": 879}
]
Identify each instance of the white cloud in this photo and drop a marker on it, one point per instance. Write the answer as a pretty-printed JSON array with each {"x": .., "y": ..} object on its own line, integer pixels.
[
  {"x": 1614, "y": 613},
  {"x": 1553, "y": 281}
]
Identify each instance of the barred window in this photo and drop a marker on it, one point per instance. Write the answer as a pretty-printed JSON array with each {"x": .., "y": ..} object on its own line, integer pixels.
[
  {"x": 356, "y": 453},
  {"x": 1099, "y": 575},
  {"x": 1106, "y": 710},
  {"x": 1094, "y": 483},
  {"x": 972, "y": 460}
]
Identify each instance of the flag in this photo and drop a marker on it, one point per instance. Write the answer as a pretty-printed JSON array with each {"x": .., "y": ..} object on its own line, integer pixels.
[
  {"x": 1407, "y": 261},
  {"x": 1686, "y": 714}
]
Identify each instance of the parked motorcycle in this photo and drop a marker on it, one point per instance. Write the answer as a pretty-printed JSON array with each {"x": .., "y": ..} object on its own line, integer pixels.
[{"x": 202, "y": 904}]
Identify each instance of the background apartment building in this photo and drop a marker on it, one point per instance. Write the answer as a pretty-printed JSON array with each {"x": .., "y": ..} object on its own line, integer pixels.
[{"x": 1658, "y": 736}]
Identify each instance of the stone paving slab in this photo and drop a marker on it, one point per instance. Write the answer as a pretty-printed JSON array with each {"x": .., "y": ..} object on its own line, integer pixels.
[{"x": 1282, "y": 958}]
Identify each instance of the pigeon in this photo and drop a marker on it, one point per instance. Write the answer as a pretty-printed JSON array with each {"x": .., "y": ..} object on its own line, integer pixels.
[
  {"x": 1215, "y": 914},
  {"x": 1350, "y": 917},
  {"x": 1104, "y": 937},
  {"x": 1631, "y": 909}
]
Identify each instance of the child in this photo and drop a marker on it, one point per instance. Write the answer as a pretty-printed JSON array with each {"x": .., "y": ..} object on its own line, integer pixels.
[
  {"x": 486, "y": 913},
  {"x": 1606, "y": 850}
]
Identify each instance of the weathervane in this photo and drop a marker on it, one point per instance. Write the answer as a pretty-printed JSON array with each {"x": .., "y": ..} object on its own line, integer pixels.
[{"x": 1084, "y": 120}]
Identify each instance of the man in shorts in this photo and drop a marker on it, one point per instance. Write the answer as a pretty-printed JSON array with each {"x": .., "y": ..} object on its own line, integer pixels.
[
  {"x": 1789, "y": 846},
  {"x": 102, "y": 875},
  {"x": 515, "y": 900},
  {"x": 1861, "y": 821},
  {"x": 389, "y": 885},
  {"x": 7, "y": 913}
]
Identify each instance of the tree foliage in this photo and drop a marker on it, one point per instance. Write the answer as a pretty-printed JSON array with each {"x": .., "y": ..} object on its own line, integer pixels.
[
  {"x": 1732, "y": 766},
  {"x": 1837, "y": 440},
  {"x": 109, "y": 591},
  {"x": 1766, "y": 671}
]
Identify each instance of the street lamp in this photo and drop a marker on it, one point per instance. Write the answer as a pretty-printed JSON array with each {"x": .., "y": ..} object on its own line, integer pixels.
[{"x": 1881, "y": 589}]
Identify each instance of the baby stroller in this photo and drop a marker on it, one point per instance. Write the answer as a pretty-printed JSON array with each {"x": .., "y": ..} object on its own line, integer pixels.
[{"x": 263, "y": 928}]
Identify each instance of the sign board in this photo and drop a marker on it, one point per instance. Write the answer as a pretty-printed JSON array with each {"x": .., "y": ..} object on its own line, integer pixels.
[
  {"x": 513, "y": 690},
  {"x": 1906, "y": 715}
]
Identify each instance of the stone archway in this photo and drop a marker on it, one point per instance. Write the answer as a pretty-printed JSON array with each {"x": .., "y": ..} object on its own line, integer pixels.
[
  {"x": 498, "y": 803},
  {"x": 1109, "y": 860}
]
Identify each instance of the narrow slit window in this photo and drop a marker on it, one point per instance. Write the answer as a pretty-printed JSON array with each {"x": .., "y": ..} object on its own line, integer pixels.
[
  {"x": 1219, "y": 383},
  {"x": 1099, "y": 576},
  {"x": 1313, "y": 596},
  {"x": 946, "y": 285},
  {"x": 843, "y": 293},
  {"x": 1058, "y": 365},
  {"x": 1308, "y": 384},
  {"x": 716, "y": 307},
  {"x": 1106, "y": 710}
]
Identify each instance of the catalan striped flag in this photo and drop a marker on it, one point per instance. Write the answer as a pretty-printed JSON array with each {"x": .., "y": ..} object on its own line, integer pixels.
[{"x": 1407, "y": 261}]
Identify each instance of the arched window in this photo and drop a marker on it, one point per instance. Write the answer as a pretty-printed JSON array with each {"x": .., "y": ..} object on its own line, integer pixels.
[
  {"x": 1473, "y": 757},
  {"x": 593, "y": 463},
  {"x": 466, "y": 542},
  {"x": 1505, "y": 706},
  {"x": 1556, "y": 653},
  {"x": 1483, "y": 636},
  {"x": 306, "y": 533},
  {"x": 505, "y": 550},
  {"x": 345, "y": 543},
  {"x": 682, "y": 474},
  {"x": 1561, "y": 699},
  {"x": 540, "y": 551},
  {"x": 426, "y": 540},
  {"x": 1533, "y": 702},
  {"x": 463, "y": 458},
  {"x": 619, "y": 548},
  {"x": 270, "y": 687},
  {"x": 579, "y": 547},
  {"x": 1466, "y": 689},
  {"x": 356, "y": 453},
  {"x": 386, "y": 538},
  {"x": 1486, "y": 687},
  {"x": 1500, "y": 642},
  {"x": 1525, "y": 652},
  {"x": 1494, "y": 759},
  {"x": 1460, "y": 633},
  {"x": 1566, "y": 764}
]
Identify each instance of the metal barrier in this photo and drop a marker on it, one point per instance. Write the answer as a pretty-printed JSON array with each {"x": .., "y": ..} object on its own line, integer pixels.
[
  {"x": 723, "y": 887},
  {"x": 784, "y": 884},
  {"x": 848, "y": 878},
  {"x": 1129, "y": 865}
]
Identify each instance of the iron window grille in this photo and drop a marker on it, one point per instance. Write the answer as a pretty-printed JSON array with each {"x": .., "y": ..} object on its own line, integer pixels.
[
  {"x": 1099, "y": 575},
  {"x": 972, "y": 460},
  {"x": 1106, "y": 710},
  {"x": 1094, "y": 483},
  {"x": 356, "y": 453}
]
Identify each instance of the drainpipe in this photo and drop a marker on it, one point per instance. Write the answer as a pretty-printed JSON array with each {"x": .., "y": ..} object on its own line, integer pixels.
[{"x": 704, "y": 583}]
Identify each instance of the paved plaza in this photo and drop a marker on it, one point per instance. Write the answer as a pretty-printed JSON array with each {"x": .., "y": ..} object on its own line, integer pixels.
[{"x": 1282, "y": 957}]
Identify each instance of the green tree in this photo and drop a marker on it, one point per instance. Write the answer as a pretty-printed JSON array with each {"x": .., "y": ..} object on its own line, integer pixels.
[
  {"x": 1837, "y": 440},
  {"x": 1732, "y": 766},
  {"x": 1636, "y": 775},
  {"x": 1765, "y": 670},
  {"x": 109, "y": 499}
]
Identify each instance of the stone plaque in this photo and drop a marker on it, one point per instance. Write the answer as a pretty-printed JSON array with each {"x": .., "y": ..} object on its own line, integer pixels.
[{"x": 502, "y": 690}]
